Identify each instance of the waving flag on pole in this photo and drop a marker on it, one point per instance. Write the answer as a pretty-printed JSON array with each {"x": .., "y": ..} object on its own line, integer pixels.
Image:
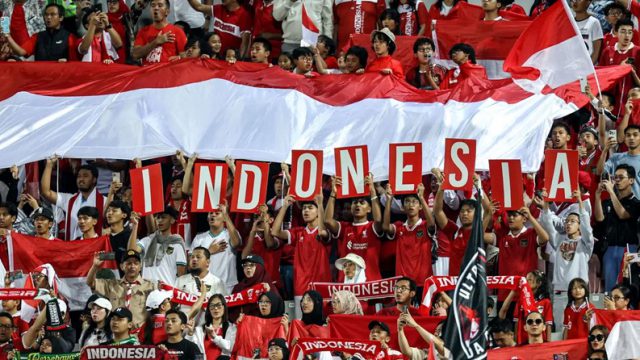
[
  {"x": 310, "y": 31},
  {"x": 541, "y": 55},
  {"x": 467, "y": 318}
]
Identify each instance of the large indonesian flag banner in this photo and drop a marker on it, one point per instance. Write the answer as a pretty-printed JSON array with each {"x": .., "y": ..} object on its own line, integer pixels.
[
  {"x": 567, "y": 349},
  {"x": 71, "y": 261},
  {"x": 250, "y": 111},
  {"x": 376, "y": 289},
  {"x": 624, "y": 327}
]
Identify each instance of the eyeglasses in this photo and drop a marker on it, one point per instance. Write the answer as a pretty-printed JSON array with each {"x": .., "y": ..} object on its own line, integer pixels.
[
  {"x": 401, "y": 288},
  {"x": 530, "y": 322},
  {"x": 5, "y": 326},
  {"x": 619, "y": 178},
  {"x": 616, "y": 298},
  {"x": 264, "y": 302},
  {"x": 598, "y": 337},
  {"x": 215, "y": 306}
]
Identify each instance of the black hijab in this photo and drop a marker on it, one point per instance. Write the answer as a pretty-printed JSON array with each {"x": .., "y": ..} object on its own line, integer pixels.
[
  {"x": 315, "y": 317},
  {"x": 277, "y": 305}
]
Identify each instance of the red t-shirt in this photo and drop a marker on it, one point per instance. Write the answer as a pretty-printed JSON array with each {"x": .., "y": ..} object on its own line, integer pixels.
[
  {"x": 459, "y": 239},
  {"x": 409, "y": 24},
  {"x": 311, "y": 261},
  {"x": 158, "y": 335},
  {"x": 413, "y": 251},
  {"x": 161, "y": 53},
  {"x": 355, "y": 17},
  {"x": 184, "y": 223},
  {"x": 465, "y": 71},
  {"x": 519, "y": 254},
  {"x": 610, "y": 56},
  {"x": 386, "y": 62},
  {"x": 263, "y": 22},
  {"x": 393, "y": 311},
  {"x": 271, "y": 256},
  {"x": 230, "y": 25},
  {"x": 18, "y": 24},
  {"x": 360, "y": 239},
  {"x": 574, "y": 322},
  {"x": 544, "y": 307},
  {"x": 95, "y": 48}
]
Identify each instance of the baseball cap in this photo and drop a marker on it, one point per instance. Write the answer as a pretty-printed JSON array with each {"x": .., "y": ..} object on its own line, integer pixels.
[
  {"x": 122, "y": 312},
  {"x": 44, "y": 212},
  {"x": 356, "y": 259},
  {"x": 279, "y": 342},
  {"x": 102, "y": 302},
  {"x": 157, "y": 297},
  {"x": 256, "y": 259},
  {"x": 168, "y": 210},
  {"x": 382, "y": 325},
  {"x": 131, "y": 253},
  {"x": 589, "y": 129},
  {"x": 385, "y": 31}
]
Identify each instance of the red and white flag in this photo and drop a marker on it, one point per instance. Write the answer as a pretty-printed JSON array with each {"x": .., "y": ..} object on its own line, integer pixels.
[
  {"x": 209, "y": 187},
  {"x": 310, "y": 31},
  {"x": 146, "y": 189},
  {"x": 624, "y": 325},
  {"x": 550, "y": 52}
]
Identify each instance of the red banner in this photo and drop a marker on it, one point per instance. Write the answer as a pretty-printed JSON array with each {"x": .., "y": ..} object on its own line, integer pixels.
[
  {"x": 436, "y": 284},
  {"x": 253, "y": 333},
  {"x": 147, "y": 190},
  {"x": 297, "y": 329},
  {"x": 124, "y": 352},
  {"x": 306, "y": 174},
  {"x": 506, "y": 183},
  {"x": 561, "y": 174},
  {"x": 249, "y": 186},
  {"x": 377, "y": 289},
  {"x": 246, "y": 296},
  {"x": 405, "y": 167},
  {"x": 209, "y": 187},
  {"x": 567, "y": 349},
  {"x": 356, "y": 327},
  {"x": 17, "y": 293},
  {"x": 459, "y": 164},
  {"x": 609, "y": 318},
  {"x": 366, "y": 348},
  {"x": 352, "y": 165}
]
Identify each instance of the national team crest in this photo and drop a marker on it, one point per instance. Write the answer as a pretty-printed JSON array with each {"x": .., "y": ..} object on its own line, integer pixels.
[{"x": 170, "y": 250}]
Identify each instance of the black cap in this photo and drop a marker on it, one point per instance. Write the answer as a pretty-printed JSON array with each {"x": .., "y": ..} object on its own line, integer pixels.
[
  {"x": 122, "y": 312},
  {"x": 382, "y": 325},
  {"x": 131, "y": 253},
  {"x": 589, "y": 129},
  {"x": 168, "y": 210},
  {"x": 279, "y": 342},
  {"x": 256, "y": 259},
  {"x": 44, "y": 212}
]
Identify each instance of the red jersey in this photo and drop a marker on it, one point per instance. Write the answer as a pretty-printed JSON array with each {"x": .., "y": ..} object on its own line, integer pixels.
[
  {"x": 520, "y": 249},
  {"x": 393, "y": 311},
  {"x": 463, "y": 72},
  {"x": 158, "y": 334},
  {"x": 311, "y": 261},
  {"x": 459, "y": 237},
  {"x": 611, "y": 56},
  {"x": 356, "y": 17},
  {"x": 386, "y": 62},
  {"x": 574, "y": 321},
  {"x": 409, "y": 24},
  {"x": 413, "y": 250},
  {"x": 610, "y": 39},
  {"x": 544, "y": 308},
  {"x": 183, "y": 224},
  {"x": 230, "y": 25},
  {"x": 167, "y": 50},
  {"x": 271, "y": 256},
  {"x": 263, "y": 22},
  {"x": 437, "y": 14},
  {"x": 360, "y": 239}
]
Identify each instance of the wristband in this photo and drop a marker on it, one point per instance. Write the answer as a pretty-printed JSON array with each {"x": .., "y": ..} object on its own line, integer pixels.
[{"x": 374, "y": 197}]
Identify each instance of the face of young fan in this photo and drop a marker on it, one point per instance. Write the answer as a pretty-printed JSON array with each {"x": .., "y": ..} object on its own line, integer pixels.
[
  {"x": 503, "y": 339},
  {"x": 459, "y": 57},
  {"x": 46, "y": 347},
  {"x": 423, "y": 53},
  {"x": 632, "y": 138},
  {"x": 349, "y": 269},
  {"x": 173, "y": 324},
  {"x": 164, "y": 222},
  {"x": 215, "y": 43},
  {"x": 306, "y": 304},
  {"x": 411, "y": 206},
  {"x": 380, "y": 46},
  {"x": 532, "y": 281},
  {"x": 622, "y": 180},
  {"x": 97, "y": 313},
  {"x": 176, "y": 185},
  {"x": 403, "y": 293},
  {"x": 6, "y": 219},
  {"x": 85, "y": 223},
  {"x": 284, "y": 63},
  {"x": 571, "y": 224},
  {"x": 352, "y": 63},
  {"x": 515, "y": 220},
  {"x": 534, "y": 324},
  {"x": 578, "y": 291},
  {"x": 560, "y": 137},
  {"x": 119, "y": 326},
  {"x": 309, "y": 213},
  {"x": 390, "y": 24},
  {"x": 490, "y": 5},
  {"x": 113, "y": 6},
  {"x": 360, "y": 208},
  {"x": 275, "y": 353},
  {"x": 597, "y": 339},
  {"x": 619, "y": 301},
  {"x": 159, "y": 10},
  {"x": 264, "y": 304},
  {"x": 580, "y": 5},
  {"x": 52, "y": 19},
  {"x": 336, "y": 305},
  {"x": 379, "y": 334},
  {"x": 466, "y": 215},
  {"x": 216, "y": 308},
  {"x": 249, "y": 269},
  {"x": 115, "y": 215},
  {"x": 260, "y": 55},
  {"x": 589, "y": 140},
  {"x": 85, "y": 180},
  {"x": 198, "y": 260},
  {"x": 625, "y": 35},
  {"x": 6, "y": 329},
  {"x": 304, "y": 63},
  {"x": 193, "y": 52}
]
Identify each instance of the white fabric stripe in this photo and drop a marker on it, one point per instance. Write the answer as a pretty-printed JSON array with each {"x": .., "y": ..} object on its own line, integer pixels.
[{"x": 265, "y": 124}]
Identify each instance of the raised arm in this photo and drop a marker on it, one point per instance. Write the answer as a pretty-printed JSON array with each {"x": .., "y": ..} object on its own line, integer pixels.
[
  {"x": 207, "y": 10},
  {"x": 543, "y": 236},
  {"x": 187, "y": 186},
  {"x": 133, "y": 238},
  {"x": 95, "y": 267},
  {"x": 276, "y": 227},
  {"x": 332, "y": 225},
  {"x": 45, "y": 182},
  {"x": 622, "y": 213},
  {"x": 428, "y": 216},
  {"x": 29, "y": 338},
  {"x": 605, "y": 153},
  {"x": 628, "y": 110},
  {"x": 375, "y": 204},
  {"x": 386, "y": 218},
  {"x": 597, "y": 211},
  {"x": 234, "y": 236},
  {"x": 438, "y": 207},
  {"x": 322, "y": 231}
]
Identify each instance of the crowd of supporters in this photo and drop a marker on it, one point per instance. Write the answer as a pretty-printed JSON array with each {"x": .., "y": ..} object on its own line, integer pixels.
[{"x": 566, "y": 251}]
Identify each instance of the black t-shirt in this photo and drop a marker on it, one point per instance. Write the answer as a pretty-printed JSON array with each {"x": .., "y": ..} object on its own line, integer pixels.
[
  {"x": 184, "y": 350},
  {"x": 617, "y": 231},
  {"x": 119, "y": 244}
]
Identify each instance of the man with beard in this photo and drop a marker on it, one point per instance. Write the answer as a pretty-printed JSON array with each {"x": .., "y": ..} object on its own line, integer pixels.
[
  {"x": 87, "y": 195},
  {"x": 53, "y": 44},
  {"x": 164, "y": 254},
  {"x": 43, "y": 221},
  {"x": 160, "y": 41}
]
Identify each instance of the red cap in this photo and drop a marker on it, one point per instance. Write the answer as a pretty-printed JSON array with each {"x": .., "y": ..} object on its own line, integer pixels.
[{"x": 584, "y": 179}]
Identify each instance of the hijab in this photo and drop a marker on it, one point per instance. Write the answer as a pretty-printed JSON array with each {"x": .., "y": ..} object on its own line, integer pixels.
[
  {"x": 315, "y": 317},
  {"x": 349, "y": 302},
  {"x": 259, "y": 276},
  {"x": 358, "y": 278},
  {"x": 277, "y": 305}
]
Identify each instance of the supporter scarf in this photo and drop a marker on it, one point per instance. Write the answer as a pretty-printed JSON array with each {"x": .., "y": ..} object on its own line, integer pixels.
[
  {"x": 18, "y": 293},
  {"x": 246, "y": 296},
  {"x": 298, "y": 329},
  {"x": 153, "y": 257},
  {"x": 148, "y": 352},
  {"x": 253, "y": 335},
  {"x": 367, "y": 348},
  {"x": 43, "y": 356},
  {"x": 436, "y": 284},
  {"x": 377, "y": 289}
]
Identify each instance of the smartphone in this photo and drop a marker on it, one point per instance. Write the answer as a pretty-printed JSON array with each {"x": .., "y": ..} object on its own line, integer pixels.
[
  {"x": 15, "y": 275},
  {"x": 5, "y": 21},
  {"x": 630, "y": 60},
  {"x": 605, "y": 176},
  {"x": 97, "y": 7},
  {"x": 107, "y": 256},
  {"x": 405, "y": 309},
  {"x": 583, "y": 84},
  {"x": 612, "y": 134},
  {"x": 115, "y": 177}
]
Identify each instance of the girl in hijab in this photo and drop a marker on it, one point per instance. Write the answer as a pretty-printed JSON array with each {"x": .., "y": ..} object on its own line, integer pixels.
[
  {"x": 345, "y": 302},
  {"x": 311, "y": 305},
  {"x": 353, "y": 267},
  {"x": 271, "y": 306},
  {"x": 254, "y": 274}
]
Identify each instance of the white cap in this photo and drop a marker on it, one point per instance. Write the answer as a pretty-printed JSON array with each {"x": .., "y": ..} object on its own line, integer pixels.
[
  {"x": 157, "y": 297},
  {"x": 102, "y": 302},
  {"x": 356, "y": 259}
]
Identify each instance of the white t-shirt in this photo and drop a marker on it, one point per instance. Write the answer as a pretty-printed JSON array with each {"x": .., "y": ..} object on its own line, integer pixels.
[
  {"x": 63, "y": 203},
  {"x": 591, "y": 31},
  {"x": 184, "y": 12},
  {"x": 167, "y": 270},
  {"x": 223, "y": 264}
]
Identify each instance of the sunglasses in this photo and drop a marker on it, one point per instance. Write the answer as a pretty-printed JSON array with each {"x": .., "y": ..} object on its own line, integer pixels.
[
  {"x": 532, "y": 321},
  {"x": 598, "y": 337}
]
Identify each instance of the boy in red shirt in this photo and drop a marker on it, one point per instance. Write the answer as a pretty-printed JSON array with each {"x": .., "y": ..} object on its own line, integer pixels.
[
  {"x": 160, "y": 41},
  {"x": 383, "y": 43}
]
